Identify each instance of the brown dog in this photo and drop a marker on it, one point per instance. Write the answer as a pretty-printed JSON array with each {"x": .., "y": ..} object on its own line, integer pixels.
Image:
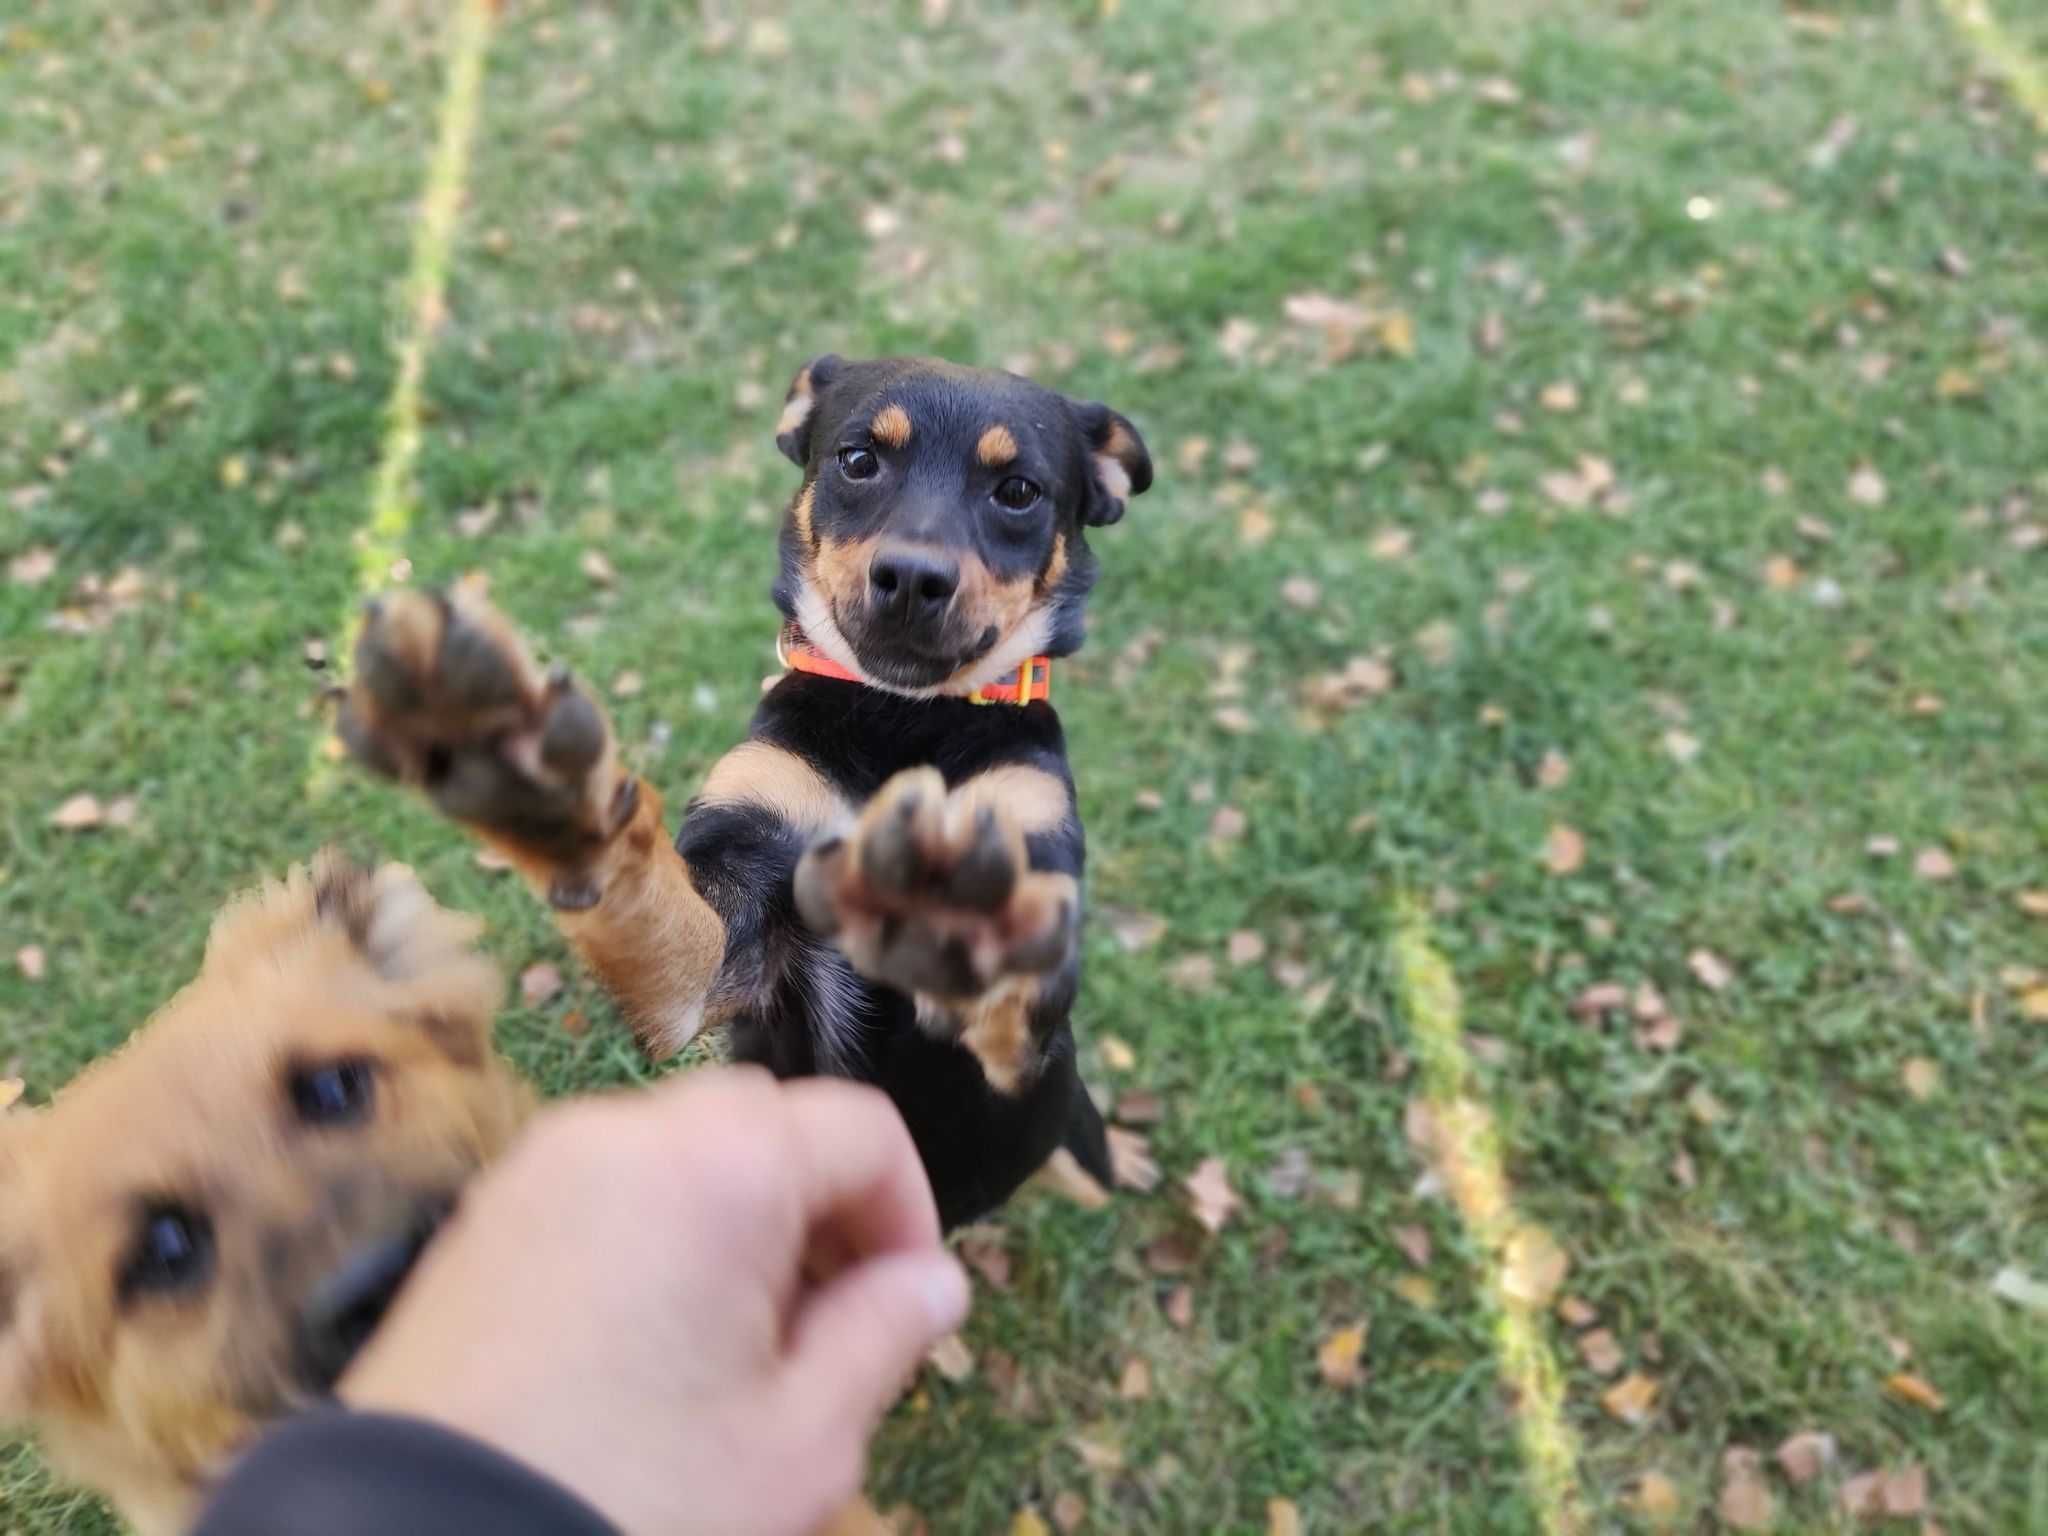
[{"x": 199, "y": 1231}]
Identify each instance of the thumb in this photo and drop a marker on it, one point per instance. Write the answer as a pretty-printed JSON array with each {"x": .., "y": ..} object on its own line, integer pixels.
[{"x": 858, "y": 1339}]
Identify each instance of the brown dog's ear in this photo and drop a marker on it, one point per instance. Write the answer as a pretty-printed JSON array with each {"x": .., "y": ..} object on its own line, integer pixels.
[
  {"x": 1123, "y": 468},
  {"x": 793, "y": 430}
]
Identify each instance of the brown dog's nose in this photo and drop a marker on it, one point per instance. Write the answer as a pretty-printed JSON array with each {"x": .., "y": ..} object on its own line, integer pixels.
[
  {"x": 346, "y": 1307},
  {"x": 913, "y": 586}
]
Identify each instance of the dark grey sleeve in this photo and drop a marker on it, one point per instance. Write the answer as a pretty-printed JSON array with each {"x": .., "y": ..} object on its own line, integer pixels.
[{"x": 335, "y": 1473}]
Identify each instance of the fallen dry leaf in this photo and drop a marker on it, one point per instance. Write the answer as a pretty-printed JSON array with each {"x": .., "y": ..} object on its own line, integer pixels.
[
  {"x": 30, "y": 961},
  {"x": 1180, "y": 1306},
  {"x": 1576, "y": 1312},
  {"x": 32, "y": 567},
  {"x": 1133, "y": 932},
  {"x": 598, "y": 568},
  {"x": 1069, "y": 1511},
  {"x": 1130, "y": 1158},
  {"x": 1781, "y": 573},
  {"x": 1903, "y": 1493},
  {"x": 1391, "y": 544},
  {"x": 951, "y": 1358},
  {"x": 1228, "y": 824},
  {"x": 78, "y": 813},
  {"x": 1134, "y": 1385},
  {"x": 1745, "y": 1503},
  {"x": 1709, "y": 969},
  {"x": 1806, "y": 1455},
  {"x": 2033, "y": 903},
  {"x": 1859, "y": 1496},
  {"x": 1245, "y": 948},
  {"x": 1414, "y": 1245},
  {"x": 1193, "y": 973},
  {"x": 1867, "y": 487},
  {"x": 1397, "y": 333},
  {"x": 627, "y": 685},
  {"x": 1681, "y": 746},
  {"x": 1533, "y": 1266},
  {"x": 1099, "y": 1453},
  {"x": 1921, "y": 1078},
  {"x": 1602, "y": 1355},
  {"x": 1704, "y": 1106},
  {"x": 2033, "y": 1005},
  {"x": 1630, "y": 1399},
  {"x": 1282, "y": 1518},
  {"x": 11, "y": 1090},
  {"x": 538, "y": 983},
  {"x": 1028, "y": 1522},
  {"x": 1301, "y": 592},
  {"x": 1564, "y": 849},
  {"x": 1917, "y": 1390},
  {"x": 1934, "y": 864},
  {"x": 1209, "y": 1188},
  {"x": 1339, "y": 1357},
  {"x": 1553, "y": 770},
  {"x": 1656, "y": 1497}
]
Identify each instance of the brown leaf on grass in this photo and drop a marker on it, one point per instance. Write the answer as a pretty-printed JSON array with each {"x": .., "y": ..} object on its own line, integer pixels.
[
  {"x": 1391, "y": 544},
  {"x": 1921, "y": 1078},
  {"x": 1917, "y": 1390},
  {"x": 1234, "y": 721},
  {"x": 1414, "y": 1245},
  {"x": 1602, "y": 1355},
  {"x": 1363, "y": 677},
  {"x": 1193, "y": 973},
  {"x": 1069, "y": 1512},
  {"x": 1302, "y": 592},
  {"x": 1601, "y": 997},
  {"x": 1561, "y": 397},
  {"x": 1028, "y": 1522},
  {"x": 1180, "y": 1306},
  {"x": 1804, "y": 1456},
  {"x": 1576, "y": 1312},
  {"x": 1683, "y": 1174},
  {"x": 1781, "y": 573},
  {"x": 1745, "y": 1503},
  {"x": 2033, "y": 903},
  {"x": 986, "y": 1256},
  {"x": 78, "y": 814},
  {"x": 1282, "y": 1518},
  {"x": 1709, "y": 969},
  {"x": 1172, "y": 1254},
  {"x": 1553, "y": 770},
  {"x": 1397, "y": 333},
  {"x": 1866, "y": 487},
  {"x": 1208, "y": 1187},
  {"x": 1704, "y": 1106},
  {"x": 1681, "y": 746},
  {"x": 32, "y": 567},
  {"x": 1139, "y": 1106},
  {"x": 1099, "y": 1453},
  {"x": 1228, "y": 824},
  {"x": 1130, "y": 1158},
  {"x": 1533, "y": 1266},
  {"x": 1564, "y": 849},
  {"x": 538, "y": 983},
  {"x": 1245, "y": 947},
  {"x": 951, "y": 1358},
  {"x": 1134, "y": 1385},
  {"x": 1133, "y": 932},
  {"x": 597, "y": 567},
  {"x": 1859, "y": 1496},
  {"x": 30, "y": 961},
  {"x": 627, "y": 685},
  {"x": 1903, "y": 1493},
  {"x": 1630, "y": 1399},
  {"x": 1339, "y": 1358},
  {"x": 1934, "y": 864},
  {"x": 1656, "y": 1497},
  {"x": 1662, "y": 1033},
  {"x": 11, "y": 1090}
]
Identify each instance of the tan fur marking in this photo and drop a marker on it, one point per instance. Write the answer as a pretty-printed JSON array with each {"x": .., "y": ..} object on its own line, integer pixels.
[
  {"x": 841, "y": 569},
  {"x": 1029, "y": 798},
  {"x": 794, "y": 413},
  {"x": 998, "y": 1032},
  {"x": 1118, "y": 445},
  {"x": 800, "y": 514},
  {"x": 985, "y": 600},
  {"x": 771, "y": 776},
  {"x": 997, "y": 447},
  {"x": 891, "y": 426},
  {"x": 1055, "y": 568}
]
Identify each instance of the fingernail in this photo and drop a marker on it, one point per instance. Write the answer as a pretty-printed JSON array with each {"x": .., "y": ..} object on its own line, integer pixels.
[{"x": 942, "y": 1288}]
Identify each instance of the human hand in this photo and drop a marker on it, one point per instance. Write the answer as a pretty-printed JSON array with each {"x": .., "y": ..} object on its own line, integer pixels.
[{"x": 689, "y": 1306}]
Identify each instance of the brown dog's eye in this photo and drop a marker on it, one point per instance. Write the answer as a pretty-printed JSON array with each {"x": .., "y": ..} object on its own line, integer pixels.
[
  {"x": 859, "y": 464},
  {"x": 1018, "y": 494},
  {"x": 173, "y": 1252},
  {"x": 334, "y": 1093}
]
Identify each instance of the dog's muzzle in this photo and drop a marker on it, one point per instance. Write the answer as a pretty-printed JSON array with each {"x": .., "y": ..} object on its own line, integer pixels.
[{"x": 345, "y": 1308}]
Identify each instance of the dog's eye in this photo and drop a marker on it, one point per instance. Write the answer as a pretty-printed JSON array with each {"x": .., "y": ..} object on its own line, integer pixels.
[
  {"x": 336, "y": 1093},
  {"x": 1018, "y": 494},
  {"x": 859, "y": 463},
  {"x": 173, "y": 1252}
]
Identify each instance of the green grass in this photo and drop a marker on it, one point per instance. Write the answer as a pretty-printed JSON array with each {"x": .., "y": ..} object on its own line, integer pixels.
[{"x": 661, "y": 218}]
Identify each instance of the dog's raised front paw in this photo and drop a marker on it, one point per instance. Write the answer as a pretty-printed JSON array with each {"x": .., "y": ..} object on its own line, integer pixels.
[
  {"x": 932, "y": 892},
  {"x": 447, "y": 698}
]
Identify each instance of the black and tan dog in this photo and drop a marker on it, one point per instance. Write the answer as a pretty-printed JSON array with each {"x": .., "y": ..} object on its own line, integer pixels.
[{"x": 883, "y": 881}]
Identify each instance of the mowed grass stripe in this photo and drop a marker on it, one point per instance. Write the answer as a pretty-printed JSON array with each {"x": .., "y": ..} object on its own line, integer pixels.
[
  {"x": 2000, "y": 54},
  {"x": 380, "y": 543},
  {"x": 1468, "y": 1158}
]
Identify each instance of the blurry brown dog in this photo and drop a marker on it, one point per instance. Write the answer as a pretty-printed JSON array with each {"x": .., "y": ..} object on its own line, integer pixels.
[{"x": 199, "y": 1232}]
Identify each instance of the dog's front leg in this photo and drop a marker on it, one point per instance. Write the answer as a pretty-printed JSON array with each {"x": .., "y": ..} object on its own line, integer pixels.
[
  {"x": 446, "y": 698},
  {"x": 966, "y": 897}
]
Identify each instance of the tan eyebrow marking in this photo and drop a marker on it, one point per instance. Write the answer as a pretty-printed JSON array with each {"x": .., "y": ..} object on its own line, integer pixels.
[
  {"x": 891, "y": 426},
  {"x": 996, "y": 448}
]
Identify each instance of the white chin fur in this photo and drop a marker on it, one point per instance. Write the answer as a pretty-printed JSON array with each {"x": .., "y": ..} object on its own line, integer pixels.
[{"x": 814, "y": 618}]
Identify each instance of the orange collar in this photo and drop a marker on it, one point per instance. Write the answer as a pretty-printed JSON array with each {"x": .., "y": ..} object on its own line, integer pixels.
[{"x": 1029, "y": 683}]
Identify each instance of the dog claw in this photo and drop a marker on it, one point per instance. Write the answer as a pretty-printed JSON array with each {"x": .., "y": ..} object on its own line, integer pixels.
[
  {"x": 985, "y": 875},
  {"x": 573, "y": 738}
]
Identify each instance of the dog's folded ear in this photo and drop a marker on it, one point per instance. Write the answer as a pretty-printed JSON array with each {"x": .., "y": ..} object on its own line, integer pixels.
[
  {"x": 793, "y": 430},
  {"x": 1123, "y": 468}
]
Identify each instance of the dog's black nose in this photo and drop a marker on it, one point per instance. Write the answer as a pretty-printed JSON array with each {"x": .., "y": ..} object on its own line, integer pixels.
[
  {"x": 913, "y": 586},
  {"x": 346, "y": 1307}
]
